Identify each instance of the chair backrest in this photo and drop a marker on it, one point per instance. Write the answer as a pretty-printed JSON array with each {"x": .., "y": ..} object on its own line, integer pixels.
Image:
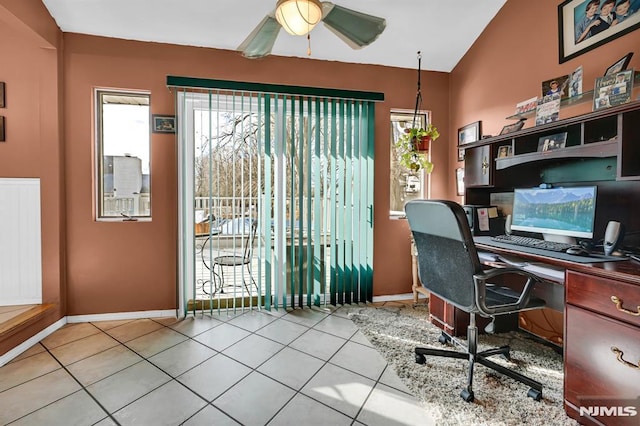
[
  {"x": 447, "y": 257},
  {"x": 248, "y": 247}
]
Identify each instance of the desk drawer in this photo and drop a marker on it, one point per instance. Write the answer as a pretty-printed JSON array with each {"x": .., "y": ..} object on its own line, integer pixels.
[
  {"x": 593, "y": 373},
  {"x": 596, "y": 293}
]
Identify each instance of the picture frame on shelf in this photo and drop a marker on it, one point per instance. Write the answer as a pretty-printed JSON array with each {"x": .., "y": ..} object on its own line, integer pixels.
[
  {"x": 504, "y": 151},
  {"x": 556, "y": 86},
  {"x": 620, "y": 65},
  {"x": 612, "y": 90},
  {"x": 470, "y": 133},
  {"x": 510, "y": 128},
  {"x": 575, "y": 82},
  {"x": 163, "y": 123},
  {"x": 460, "y": 154},
  {"x": 574, "y": 41},
  {"x": 460, "y": 181},
  {"x": 552, "y": 142}
]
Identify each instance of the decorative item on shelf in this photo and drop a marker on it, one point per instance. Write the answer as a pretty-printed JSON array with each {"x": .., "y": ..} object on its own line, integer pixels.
[
  {"x": 620, "y": 65},
  {"x": 510, "y": 128},
  {"x": 555, "y": 86},
  {"x": 612, "y": 90},
  {"x": 552, "y": 142},
  {"x": 548, "y": 109},
  {"x": 504, "y": 151},
  {"x": 413, "y": 146},
  {"x": 526, "y": 106},
  {"x": 575, "y": 82}
]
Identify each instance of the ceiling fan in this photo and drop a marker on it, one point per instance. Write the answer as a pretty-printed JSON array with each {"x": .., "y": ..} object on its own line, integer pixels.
[{"x": 299, "y": 17}]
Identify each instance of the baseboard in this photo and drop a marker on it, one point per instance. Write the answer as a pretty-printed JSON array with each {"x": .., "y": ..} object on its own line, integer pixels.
[
  {"x": 393, "y": 297},
  {"x": 8, "y": 356},
  {"x": 73, "y": 319},
  {"x": 116, "y": 316}
]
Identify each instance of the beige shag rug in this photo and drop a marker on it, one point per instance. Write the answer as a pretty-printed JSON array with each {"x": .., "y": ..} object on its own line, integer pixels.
[{"x": 499, "y": 400}]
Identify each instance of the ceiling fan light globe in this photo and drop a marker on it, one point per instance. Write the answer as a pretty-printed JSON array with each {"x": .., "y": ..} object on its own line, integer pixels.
[{"x": 298, "y": 17}]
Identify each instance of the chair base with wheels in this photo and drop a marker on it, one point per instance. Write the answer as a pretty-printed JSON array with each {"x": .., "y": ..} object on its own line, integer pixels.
[{"x": 474, "y": 356}]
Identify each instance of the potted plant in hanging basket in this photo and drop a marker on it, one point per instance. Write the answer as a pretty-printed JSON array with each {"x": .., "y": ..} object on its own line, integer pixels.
[{"x": 413, "y": 145}]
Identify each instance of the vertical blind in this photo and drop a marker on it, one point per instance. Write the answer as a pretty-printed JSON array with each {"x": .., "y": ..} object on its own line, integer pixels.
[{"x": 299, "y": 162}]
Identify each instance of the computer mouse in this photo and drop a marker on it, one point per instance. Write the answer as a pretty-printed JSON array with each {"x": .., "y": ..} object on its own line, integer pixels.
[{"x": 577, "y": 251}]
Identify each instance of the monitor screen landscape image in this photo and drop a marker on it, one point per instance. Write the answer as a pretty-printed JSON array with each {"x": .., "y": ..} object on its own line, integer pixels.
[{"x": 558, "y": 211}]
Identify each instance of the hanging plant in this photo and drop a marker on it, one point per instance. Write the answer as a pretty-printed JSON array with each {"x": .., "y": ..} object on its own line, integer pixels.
[{"x": 413, "y": 146}]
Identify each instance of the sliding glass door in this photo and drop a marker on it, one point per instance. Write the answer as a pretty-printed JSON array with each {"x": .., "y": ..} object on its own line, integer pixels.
[{"x": 298, "y": 166}]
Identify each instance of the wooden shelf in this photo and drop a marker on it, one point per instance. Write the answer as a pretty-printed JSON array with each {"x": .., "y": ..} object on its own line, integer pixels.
[{"x": 594, "y": 150}]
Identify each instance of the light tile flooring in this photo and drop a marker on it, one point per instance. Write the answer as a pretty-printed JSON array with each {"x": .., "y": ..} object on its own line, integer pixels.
[{"x": 307, "y": 366}]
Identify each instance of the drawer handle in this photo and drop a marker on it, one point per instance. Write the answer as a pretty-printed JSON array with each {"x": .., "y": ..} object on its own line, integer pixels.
[
  {"x": 618, "y": 302},
  {"x": 619, "y": 354}
]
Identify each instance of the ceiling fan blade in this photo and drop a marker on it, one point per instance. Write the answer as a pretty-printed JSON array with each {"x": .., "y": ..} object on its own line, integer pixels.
[
  {"x": 261, "y": 40},
  {"x": 355, "y": 28}
]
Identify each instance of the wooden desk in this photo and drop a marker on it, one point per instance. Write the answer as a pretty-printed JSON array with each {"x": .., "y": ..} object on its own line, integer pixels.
[{"x": 602, "y": 335}]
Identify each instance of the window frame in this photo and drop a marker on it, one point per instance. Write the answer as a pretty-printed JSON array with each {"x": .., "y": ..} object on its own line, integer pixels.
[{"x": 98, "y": 186}]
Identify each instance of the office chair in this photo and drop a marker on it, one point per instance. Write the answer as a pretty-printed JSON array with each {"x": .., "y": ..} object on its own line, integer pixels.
[
  {"x": 236, "y": 259},
  {"x": 448, "y": 266}
]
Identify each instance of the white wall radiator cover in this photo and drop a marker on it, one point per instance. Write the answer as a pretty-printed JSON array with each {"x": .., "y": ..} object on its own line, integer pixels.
[{"x": 20, "y": 242}]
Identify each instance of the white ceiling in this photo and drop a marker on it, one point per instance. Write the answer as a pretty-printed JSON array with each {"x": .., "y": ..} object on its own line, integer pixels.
[{"x": 443, "y": 30}]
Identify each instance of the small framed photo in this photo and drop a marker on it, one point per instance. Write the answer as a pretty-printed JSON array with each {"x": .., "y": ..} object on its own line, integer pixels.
[
  {"x": 470, "y": 133},
  {"x": 620, "y": 65},
  {"x": 1, "y": 128},
  {"x": 504, "y": 151},
  {"x": 510, "y": 128},
  {"x": 460, "y": 181},
  {"x": 2, "y": 101},
  {"x": 460, "y": 154},
  {"x": 164, "y": 123},
  {"x": 556, "y": 86},
  {"x": 552, "y": 142}
]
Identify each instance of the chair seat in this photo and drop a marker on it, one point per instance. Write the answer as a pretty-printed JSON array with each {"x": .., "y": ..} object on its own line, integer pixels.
[
  {"x": 230, "y": 260},
  {"x": 497, "y": 295}
]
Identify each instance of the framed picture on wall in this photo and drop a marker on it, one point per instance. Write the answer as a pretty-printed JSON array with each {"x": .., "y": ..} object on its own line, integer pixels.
[
  {"x": 470, "y": 133},
  {"x": 460, "y": 181},
  {"x": 1, "y": 128},
  {"x": 584, "y": 25},
  {"x": 2, "y": 104},
  {"x": 164, "y": 123}
]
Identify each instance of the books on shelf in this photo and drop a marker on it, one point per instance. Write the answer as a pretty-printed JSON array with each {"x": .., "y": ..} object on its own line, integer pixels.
[
  {"x": 612, "y": 90},
  {"x": 548, "y": 109}
]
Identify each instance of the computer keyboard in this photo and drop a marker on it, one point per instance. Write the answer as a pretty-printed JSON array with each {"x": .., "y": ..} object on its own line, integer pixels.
[{"x": 532, "y": 242}]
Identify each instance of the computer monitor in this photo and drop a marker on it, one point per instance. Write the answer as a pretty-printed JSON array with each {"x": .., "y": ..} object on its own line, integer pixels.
[{"x": 568, "y": 212}]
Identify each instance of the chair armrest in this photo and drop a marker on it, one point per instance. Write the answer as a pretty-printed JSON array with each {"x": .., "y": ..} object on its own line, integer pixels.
[{"x": 480, "y": 280}]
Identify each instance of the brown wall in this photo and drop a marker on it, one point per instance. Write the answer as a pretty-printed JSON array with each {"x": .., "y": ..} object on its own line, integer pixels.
[
  {"x": 29, "y": 48},
  {"x": 102, "y": 277},
  {"x": 510, "y": 60}
]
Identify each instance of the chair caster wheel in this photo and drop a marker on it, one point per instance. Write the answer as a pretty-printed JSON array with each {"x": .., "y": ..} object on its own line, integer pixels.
[
  {"x": 444, "y": 339},
  {"x": 467, "y": 395},
  {"x": 420, "y": 359},
  {"x": 535, "y": 394}
]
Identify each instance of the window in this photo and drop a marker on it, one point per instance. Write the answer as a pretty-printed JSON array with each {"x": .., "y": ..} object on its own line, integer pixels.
[
  {"x": 405, "y": 184},
  {"x": 123, "y": 155}
]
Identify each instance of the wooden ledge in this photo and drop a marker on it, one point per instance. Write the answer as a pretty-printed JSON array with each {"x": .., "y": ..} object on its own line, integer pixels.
[{"x": 22, "y": 320}]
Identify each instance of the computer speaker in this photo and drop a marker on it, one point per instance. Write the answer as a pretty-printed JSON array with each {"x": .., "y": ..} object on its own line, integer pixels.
[
  {"x": 612, "y": 236},
  {"x": 507, "y": 225}
]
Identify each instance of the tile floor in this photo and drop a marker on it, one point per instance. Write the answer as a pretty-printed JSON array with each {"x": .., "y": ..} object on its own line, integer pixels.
[{"x": 309, "y": 366}]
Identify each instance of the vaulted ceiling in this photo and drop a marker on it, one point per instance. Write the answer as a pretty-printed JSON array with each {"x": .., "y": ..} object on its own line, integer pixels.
[{"x": 442, "y": 31}]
